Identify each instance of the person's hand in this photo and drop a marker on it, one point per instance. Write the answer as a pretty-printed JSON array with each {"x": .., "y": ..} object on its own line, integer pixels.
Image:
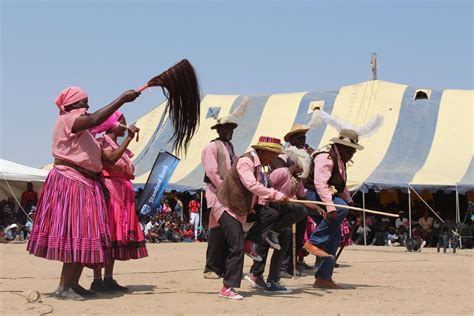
[
  {"x": 129, "y": 96},
  {"x": 284, "y": 199},
  {"x": 132, "y": 130},
  {"x": 331, "y": 216}
]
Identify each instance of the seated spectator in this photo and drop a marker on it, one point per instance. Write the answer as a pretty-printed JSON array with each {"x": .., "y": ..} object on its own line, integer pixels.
[
  {"x": 393, "y": 239},
  {"x": 426, "y": 223},
  {"x": 361, "y": 231},
  {"x": 188, "y": 234},
  {"x": 418, "y": 232},
  {"x": 402, "y": 220},
  {"x": 13, "y": 233},
  {"x": 380, "y": 237},
  {"x": 151, "y": 230}
]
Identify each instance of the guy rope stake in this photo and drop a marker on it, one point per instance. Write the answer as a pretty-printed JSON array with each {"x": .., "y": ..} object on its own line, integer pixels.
[{"x": 343, "y": 206}]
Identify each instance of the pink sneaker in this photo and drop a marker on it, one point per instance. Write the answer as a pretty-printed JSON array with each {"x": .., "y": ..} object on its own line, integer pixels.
[
  {"x": 251, "y": 251},
  {"x": 228, "y": 292}
]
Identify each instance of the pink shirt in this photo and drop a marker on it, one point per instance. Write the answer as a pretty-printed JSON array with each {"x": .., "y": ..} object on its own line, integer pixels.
[
  {"x": 281, "y": 180},
  {"x": 209, "y": 162},
  {"x": 124, "y": 166},
  {"x": 246, "y": 169},
  {"x": 81, "y": 148},
  {"x": 322, "y": 172}
]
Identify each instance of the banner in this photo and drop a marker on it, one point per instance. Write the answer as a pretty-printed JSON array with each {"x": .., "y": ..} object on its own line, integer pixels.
[{"x": 158, "y": 180}]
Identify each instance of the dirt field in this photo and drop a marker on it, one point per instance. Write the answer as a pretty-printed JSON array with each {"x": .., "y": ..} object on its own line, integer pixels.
[{"x": 379, "y": 280}]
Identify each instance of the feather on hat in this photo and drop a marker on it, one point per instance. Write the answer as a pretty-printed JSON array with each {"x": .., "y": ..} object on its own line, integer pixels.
[{"x": 232, "y": 118}]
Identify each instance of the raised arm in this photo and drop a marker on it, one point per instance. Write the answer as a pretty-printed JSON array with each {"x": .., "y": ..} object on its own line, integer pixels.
[
  {"x": 85, "y": 122},
  {"x": 110, "y": 157}
]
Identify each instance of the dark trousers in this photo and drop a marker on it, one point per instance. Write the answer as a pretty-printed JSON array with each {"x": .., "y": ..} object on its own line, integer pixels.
[
  {"x": 287, "y": 263},
  {"x": 288, "y": 215},
  {"x": 264, "y": 218},
  {"x": 258, "y": 267},
  {"x": 217, "y": 251},
  {"x": 234, "y": 237}
]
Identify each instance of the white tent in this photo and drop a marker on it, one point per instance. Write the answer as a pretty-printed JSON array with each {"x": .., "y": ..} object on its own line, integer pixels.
[{"x": 13, "y": 178}]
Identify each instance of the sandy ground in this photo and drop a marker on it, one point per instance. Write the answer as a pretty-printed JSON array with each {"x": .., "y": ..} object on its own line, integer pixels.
[{"x": 379, "y": 280}]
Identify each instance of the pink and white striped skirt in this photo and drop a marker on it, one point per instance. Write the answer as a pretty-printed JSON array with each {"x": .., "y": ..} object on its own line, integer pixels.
[{"x": 70, "y": 223}]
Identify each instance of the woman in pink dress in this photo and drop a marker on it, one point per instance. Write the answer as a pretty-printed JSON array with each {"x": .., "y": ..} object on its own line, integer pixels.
[
  {"x": 127, "y": 238},
  {"x": 71, "y": 220}
]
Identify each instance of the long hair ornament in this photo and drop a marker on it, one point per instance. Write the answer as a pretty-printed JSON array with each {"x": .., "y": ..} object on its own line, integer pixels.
[{"x": 181, "y": 88}]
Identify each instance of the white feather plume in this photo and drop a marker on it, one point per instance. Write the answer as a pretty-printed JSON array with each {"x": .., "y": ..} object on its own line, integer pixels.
[
  {"x": 366, "y": 130},
  {"x": 371, "y": 127},
  {"x": 301, "y": 158},
  {"x": 320, "y": 117}
]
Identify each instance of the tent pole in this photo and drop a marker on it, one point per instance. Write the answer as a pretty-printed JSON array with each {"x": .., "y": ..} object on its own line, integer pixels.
[
  {"x": 458, "y": 214},
  {"x": 363, "y": 215},
  {"x": 409, "y": 211}
]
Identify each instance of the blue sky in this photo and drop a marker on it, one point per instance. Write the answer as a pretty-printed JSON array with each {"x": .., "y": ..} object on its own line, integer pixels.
[{"x": 237, "y": 47}]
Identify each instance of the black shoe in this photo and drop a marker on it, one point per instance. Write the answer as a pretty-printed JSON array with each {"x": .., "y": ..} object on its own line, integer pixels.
[
  {"x": 82, "y": 291},
  {"x": 101, "y": 287},
  {"x": 337, "y": 265},
  {"x": 112, "y": 284},
  {"x": 272, "y": 240},
  {"x": 275, "y": 287},
  {"x": 68, "y": 294},
  {"x": 303, "y": 266}
]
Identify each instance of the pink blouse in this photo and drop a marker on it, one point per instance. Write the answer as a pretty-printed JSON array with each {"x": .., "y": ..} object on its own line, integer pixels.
[
  {"x": 124, "y": 167},
  {"x": 81, "y": 148}
]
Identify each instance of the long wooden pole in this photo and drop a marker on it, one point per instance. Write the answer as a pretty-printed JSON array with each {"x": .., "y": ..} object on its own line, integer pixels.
[{"x": 343, "y": 206}]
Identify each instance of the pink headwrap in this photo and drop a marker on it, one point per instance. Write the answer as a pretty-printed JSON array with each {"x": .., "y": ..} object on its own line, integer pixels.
[
  {"x": 69, "y": 96},
  {"x": 112, "y": 121}
]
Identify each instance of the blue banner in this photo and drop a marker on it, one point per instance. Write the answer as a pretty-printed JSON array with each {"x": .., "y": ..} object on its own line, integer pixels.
[{"x": 158, "y": 180}]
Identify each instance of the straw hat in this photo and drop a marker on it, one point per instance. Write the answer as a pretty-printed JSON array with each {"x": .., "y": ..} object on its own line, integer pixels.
[
  {"x": 348, "y": 137},
  {"x": 269, "y": 144},
  {"x": 296, "y": 129}
]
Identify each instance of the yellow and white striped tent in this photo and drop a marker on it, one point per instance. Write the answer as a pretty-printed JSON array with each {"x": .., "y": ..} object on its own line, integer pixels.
[{"x": 427, "y": 143}]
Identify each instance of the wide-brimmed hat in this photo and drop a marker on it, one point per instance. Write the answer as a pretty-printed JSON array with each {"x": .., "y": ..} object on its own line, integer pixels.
[
  {"x": 269, "y": 144},
  {"x": 223, "y": 121},
  {"x": 348, "y": 137},
  {"x": 296, "y": 129}
]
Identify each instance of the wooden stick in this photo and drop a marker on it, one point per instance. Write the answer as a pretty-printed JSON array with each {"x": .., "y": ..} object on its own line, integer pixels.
[
  {"x": 343, "y": 206},
  {"x": 293, "y": 235}
]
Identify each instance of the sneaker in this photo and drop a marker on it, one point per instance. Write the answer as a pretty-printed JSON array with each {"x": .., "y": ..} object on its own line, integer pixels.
[
  {"x": 285, "y": 275},
  {"x": 82, "y": 291},
  {"x": 228, "y": 292},
  {"x": 68, "y": 294},
  {"x": 275, "y": 287},
  {"x": 272, "y": 240},
  {"x": 250, "y": 250},
  {"x": 101, "y": 286},
  {"x": 257, "y": 281},
  {"x": 112, "y": 284},
  {"x": 211, "y": 275}
]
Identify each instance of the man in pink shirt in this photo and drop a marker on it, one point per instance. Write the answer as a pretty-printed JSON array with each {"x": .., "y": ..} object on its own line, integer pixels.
[
  {"x": 330, "y": 183},
  {"x": 217, "y": 158},
  {"x": 243, "y": 186}
]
